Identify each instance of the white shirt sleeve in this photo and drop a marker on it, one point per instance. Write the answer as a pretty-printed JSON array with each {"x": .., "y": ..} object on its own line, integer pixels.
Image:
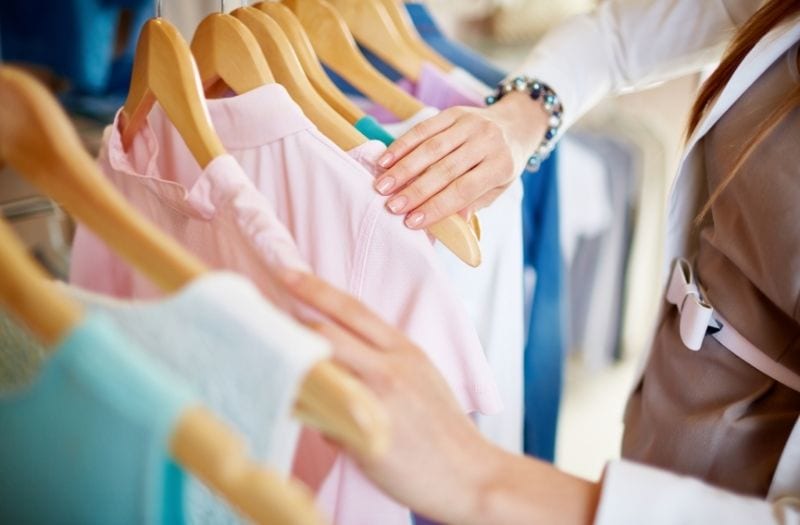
[
  {"x": 627, "y": 44},
  {"x": 634, "y": 494}
]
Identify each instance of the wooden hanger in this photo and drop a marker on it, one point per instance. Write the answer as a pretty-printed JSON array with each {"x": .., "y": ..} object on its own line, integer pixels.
[
  {"x": 308, "y": 58},
  {"x": 336, "y": 47},
  {"x": 288, "y": 72},
  {"x": 163, "y": 70},
  {"x": 409, "y": 33},
  {"x": 228, "y": 56},
  {"x": 27, "y": 292},
  {"x": 321, "y": 23},
  {"x": 38, "y": 140},
  {"x": 374, "y": 29},
  {"x": 200, "y": 442},
  {"x": 457, "y": 236}
]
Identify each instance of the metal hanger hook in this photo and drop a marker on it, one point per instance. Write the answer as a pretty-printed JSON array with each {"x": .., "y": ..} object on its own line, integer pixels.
[
  {"x": 158, "y": 8},
  {"x": 222, "y": 6}
]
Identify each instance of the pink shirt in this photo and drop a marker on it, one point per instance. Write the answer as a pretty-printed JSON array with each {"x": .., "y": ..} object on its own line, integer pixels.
[
  {"x": 221, "y": 217},
  {"x": 339, "y": 226},
  {"x": 343, "y": 231}
]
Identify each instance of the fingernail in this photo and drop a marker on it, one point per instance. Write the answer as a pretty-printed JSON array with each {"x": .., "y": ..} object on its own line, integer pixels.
[
  {"x": 397, "y": 204},
  {"x": 385, "y": 185},
  {"x": 385, "y": 160},
  {"x": 415, "y": 219}
]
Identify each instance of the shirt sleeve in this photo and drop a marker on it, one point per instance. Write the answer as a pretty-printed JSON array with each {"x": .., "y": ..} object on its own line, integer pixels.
[
  {"x": 626, "y": 44},
  {"x": 635, "y": 494}
]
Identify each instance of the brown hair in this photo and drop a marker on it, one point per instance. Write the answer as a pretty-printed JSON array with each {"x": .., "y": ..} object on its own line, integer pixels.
[{"x": 762, "y": 22}]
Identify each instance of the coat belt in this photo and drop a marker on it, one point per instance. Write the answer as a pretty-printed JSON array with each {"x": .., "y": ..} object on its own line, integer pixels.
[{"x": 699, "y": 319}]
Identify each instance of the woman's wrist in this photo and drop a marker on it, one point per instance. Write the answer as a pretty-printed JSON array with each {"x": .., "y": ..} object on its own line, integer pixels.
[
  {"x": 513, "y": 489},
  {"x": 549, "y": 102},
  {"x": 525, "y": 119}
]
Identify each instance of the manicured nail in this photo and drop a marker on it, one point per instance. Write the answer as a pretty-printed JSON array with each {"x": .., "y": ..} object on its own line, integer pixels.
[
  {"x": 385, "y": 185},
  {"x": 415, "y": 219},
  {"x": 397, "y": 204},
  {"x": 386, "y": 160}
]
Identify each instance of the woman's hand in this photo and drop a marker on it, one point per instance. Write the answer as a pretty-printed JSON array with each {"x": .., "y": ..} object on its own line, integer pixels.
[
  {"x": 436, "y": 457},
  {"x": 460, "y": 160},
  {"x": 437, "y": 463}
]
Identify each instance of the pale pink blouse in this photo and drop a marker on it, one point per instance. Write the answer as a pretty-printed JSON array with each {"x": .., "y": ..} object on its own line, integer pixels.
[{"x": 338, "y": 226}]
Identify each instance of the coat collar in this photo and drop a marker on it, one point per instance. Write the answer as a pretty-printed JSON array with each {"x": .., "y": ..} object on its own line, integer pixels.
[{"x": 761, "y": 57}]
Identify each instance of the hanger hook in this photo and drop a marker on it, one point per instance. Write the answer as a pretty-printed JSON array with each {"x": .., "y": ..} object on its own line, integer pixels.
[
  {"x": 222, "y": 6},
  {"x": 158, "y": 8}
]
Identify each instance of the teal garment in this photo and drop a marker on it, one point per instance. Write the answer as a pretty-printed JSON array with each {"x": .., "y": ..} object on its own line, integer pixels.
[
  {"x": 87, "y": 441},
  {"x": 370, "y": 128}
]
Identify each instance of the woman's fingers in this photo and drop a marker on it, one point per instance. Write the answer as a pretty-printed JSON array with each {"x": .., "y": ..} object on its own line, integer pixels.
[
  {"x": 340, "y": 307},
  {"x": 437, "y": 177},
  {"x": 413, "y": 164},
  {"x": 453, "y": 162},
  {"x": 416, "y": 136},
  {"x": 349, "y": 350},
  {"x": 458, "y": 195}
]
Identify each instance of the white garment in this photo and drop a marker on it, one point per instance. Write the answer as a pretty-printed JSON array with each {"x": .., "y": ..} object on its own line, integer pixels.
[
  {"x": 583, "y": 200},
  {"x": 465, "y": 79},
  {"x": 494, "y": 297},
  {"x": 630, "y": 43},
  {"x": 244, "y": 358},
  {"x": 493, "y": 293},
  {"x": 186, "y": 15},
  {"x": 399, "y": 128}
]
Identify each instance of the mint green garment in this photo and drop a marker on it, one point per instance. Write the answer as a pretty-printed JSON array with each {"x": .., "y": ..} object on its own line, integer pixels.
[
  {"x": 370, "y": 128},
  {"x": 87, "y": 441}
]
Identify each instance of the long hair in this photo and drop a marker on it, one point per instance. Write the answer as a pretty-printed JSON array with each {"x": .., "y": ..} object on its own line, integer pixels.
[{"x": 762, "y": 22}]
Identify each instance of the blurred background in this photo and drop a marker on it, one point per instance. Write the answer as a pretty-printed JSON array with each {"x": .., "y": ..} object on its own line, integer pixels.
[{"x": 614, "y": 170}]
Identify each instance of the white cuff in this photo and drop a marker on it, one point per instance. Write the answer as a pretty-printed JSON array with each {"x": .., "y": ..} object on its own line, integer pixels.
[{"x": 635, "y": 494}]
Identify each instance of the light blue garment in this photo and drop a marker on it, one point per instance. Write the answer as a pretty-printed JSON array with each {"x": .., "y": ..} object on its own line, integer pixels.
[
  {"x": 371, "y": 128},
  {"x": 458, "y": 54},
  {"x": 87, "y": 442},
  {"x": 75, "y": 39},
  {"x": 544, "y": 350}
]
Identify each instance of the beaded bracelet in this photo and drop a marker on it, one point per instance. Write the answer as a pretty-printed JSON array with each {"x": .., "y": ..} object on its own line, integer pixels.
[{"x": 540, "y": 91}]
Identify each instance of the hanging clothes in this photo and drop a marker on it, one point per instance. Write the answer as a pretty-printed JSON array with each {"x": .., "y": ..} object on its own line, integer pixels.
[
  {"x": 221, "y": 218},
  {"x": 88, "y": 441},
  {"x": 243, "y": 357},
  {"x": 491, "y": 293},
  {"x": 75, "y": 39},
  {"x": 339, "y": 225},
  {"x": 433, "y": 88},
  {"x": 81, "y": 42},
  {"x": 544, "y": 347},
  {"x": 342, "y": 230},
  {"x": 544, "y": 343},
  {"x": 455, "y": 52},
  {"x": 603, "y": 294},
  {"x": 493, "y": 298}
]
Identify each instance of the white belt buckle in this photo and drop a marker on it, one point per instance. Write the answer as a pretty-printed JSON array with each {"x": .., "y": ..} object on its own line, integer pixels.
[{"x": 695, "y": 313}]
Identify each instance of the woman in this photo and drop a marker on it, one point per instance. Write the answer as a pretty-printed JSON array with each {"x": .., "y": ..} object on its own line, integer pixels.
[{"x": 726, "y": 413}]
